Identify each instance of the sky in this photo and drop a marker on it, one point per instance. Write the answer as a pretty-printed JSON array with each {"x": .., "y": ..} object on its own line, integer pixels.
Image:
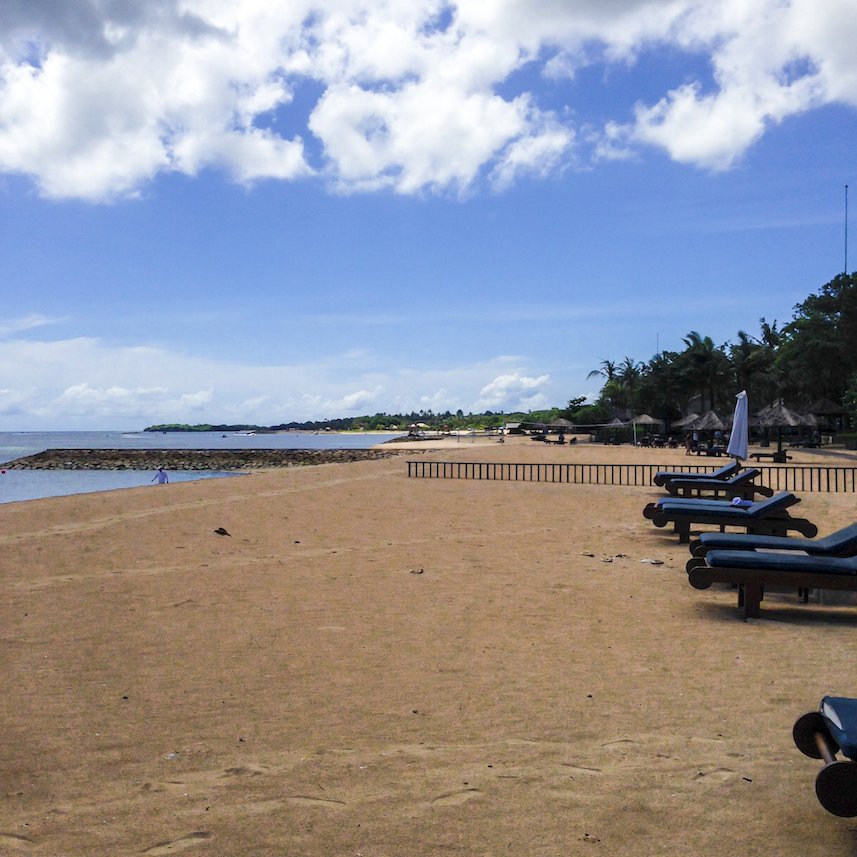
[{"x": 252, "y": 211}]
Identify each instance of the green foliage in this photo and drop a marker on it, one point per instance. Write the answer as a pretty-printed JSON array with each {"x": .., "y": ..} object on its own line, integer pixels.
[
  {"x": 849, "y": 402},
  {"x": 817, "y": 355},
  {"x": 168, "y": 427},
  {"x": 812, "y": 357}
]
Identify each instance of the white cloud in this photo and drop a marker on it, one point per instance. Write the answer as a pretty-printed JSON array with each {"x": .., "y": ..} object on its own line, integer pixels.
[
  {"x": 96, "y": 98},
  {"x": 28, "y": 322},
  {"x": 511, "y": 392},
  {"x": 770, "y": 60},
  {"x": 87, "y": 383}
]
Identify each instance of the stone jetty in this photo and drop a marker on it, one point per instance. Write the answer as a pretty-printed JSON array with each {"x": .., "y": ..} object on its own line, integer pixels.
[{"x": 191, "y": 459}]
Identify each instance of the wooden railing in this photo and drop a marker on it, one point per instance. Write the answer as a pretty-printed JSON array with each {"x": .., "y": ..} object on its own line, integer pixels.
[{"x": 787, "y": 477}]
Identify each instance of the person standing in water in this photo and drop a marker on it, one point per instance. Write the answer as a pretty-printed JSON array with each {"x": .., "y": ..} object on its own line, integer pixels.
[{"x": 161, "y": 477}]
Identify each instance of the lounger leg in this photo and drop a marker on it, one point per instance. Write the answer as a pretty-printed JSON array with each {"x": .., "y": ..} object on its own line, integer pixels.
[
  {"x": 753, "y": 594},
  {"x": 683, "y": 530}
]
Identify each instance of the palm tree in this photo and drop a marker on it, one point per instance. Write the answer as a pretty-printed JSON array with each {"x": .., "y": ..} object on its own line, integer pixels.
[
  {"x": 607, "y": 371},
  {"x": 753, "y": 365},
  {"x": 630, "y": 374},
  {"x": 706, "y": 368}
]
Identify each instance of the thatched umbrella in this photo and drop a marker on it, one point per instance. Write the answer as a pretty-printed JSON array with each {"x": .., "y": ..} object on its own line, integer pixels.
[
  {"x": 561, "y": 424},
  {"x": 825, "y": 411},
  {"x": 685, "y": 422},
  {"x": 778, "y": 416},
  {"x": 643, "y": 420},
  {"x": 709, "y": 421}
]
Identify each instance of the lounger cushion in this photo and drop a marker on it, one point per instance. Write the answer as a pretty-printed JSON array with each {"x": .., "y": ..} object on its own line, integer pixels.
[
  {"x": 710, "y": 482},
  {"x": 734, "y": 485},
  {"x": 692, "y": 503},
  {"x": 840, "y": 714},
  {"x": 841, "y": 543},
  {"x": 727, "y": 470},
  {"x": 760, "y": 509},
  {"x": 793, "y": 562}
]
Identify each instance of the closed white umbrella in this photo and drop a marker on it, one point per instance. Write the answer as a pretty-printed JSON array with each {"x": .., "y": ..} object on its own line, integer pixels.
[{"x": 739, "y": 439}]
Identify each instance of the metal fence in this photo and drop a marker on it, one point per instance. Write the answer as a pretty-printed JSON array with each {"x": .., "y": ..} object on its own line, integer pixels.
[{"x": 787, "y": 477}]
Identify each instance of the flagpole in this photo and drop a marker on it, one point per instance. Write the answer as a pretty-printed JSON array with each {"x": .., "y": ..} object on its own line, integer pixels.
[{"x": 846, "y": 230}]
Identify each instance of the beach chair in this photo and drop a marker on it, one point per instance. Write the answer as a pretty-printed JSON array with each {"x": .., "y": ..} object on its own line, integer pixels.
[
  {"x": 770, "y": 516},
  {"x": 752, "y": 571},
  {"x": 651, "y": 509},
  {"x": 821, "y": 735},
  {"x": 663, "y": 476},
  {"x": 840, "y": 543},
  {"x": 738, "y": 485}
]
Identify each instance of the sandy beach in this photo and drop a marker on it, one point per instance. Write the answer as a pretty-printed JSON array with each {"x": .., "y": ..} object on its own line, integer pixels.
[{"x": 375, "y": 665}]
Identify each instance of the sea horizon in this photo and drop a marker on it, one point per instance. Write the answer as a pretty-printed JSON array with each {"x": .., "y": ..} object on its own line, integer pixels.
[{"x": 19, "y": 485}]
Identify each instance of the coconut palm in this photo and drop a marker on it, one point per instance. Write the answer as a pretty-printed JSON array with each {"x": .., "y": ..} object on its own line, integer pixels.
[
  {"x": 706, "y": 369},
  {"x": 607, "y": 371}
]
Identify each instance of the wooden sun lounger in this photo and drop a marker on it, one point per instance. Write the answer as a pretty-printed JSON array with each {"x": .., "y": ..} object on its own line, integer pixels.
[
  {"x": 840, "y": 543},
  {"x": 752, "y": 572},
  {"x": 821, "y": 735},
  {"x": 739, "y": 485},
  {"x": 780, "y": 457},
  {"x": 769, "y": 517},
  {"x": 783, "y": 500},
  {"x": 663, "y": 476}
]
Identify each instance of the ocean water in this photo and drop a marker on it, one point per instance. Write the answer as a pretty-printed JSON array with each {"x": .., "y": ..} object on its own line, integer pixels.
[{"x": 16, "y": 485}]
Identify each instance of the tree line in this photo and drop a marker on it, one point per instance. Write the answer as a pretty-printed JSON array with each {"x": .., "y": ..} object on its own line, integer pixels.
[{"x": 812, "y": 357}]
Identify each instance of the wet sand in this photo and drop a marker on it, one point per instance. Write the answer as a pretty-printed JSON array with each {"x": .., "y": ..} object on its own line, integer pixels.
[{"x": 377, "y": 665}]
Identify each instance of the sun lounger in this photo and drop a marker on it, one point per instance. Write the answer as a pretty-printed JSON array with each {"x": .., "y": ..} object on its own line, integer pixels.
[
  {"x": 821, "y": 735},
  {"x": 752, "y": 571},
  {"x": 840, "y": 543},
  {"x": 663, "y": 476},
  {"x": 739, "y": 485},
  {"x": 651, "y": 509},
  {"x": 770, "y": 516}
]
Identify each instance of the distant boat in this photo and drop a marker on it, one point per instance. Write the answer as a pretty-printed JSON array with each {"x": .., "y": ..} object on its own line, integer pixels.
[{"x": 245, "y": 434}]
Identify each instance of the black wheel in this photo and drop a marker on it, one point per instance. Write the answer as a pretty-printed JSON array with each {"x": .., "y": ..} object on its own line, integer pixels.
[
  {"x": 694, "y": 562},
  {"x": 804, "y": 732},
  {"x": 836, "y": 787},
  {"x": 695, "y": 548},
  {"x": 696, "y": 578},
  {"x": 659, "y": 520}
]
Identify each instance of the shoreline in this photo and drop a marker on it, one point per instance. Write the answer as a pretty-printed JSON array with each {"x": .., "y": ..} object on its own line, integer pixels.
[{"x": 191, "y": 459}]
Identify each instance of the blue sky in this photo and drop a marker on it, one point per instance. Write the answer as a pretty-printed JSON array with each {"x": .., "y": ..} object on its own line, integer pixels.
[{"x": 262, "y": 212}]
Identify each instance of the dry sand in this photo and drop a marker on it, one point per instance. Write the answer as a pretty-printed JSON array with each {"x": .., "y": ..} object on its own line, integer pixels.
[{"x": 375, "y": 665}]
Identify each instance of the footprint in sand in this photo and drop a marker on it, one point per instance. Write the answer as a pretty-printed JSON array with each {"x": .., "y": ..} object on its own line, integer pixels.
[
  {"x": 581, "y": 768},
  {"x": 717, "y": 775},
  {"x": 456, "y": 798},
  {"x": 264, "y": 807},
  {"x": 15, "y": 841},
  {"x": 244, "y": 771},
  {"x": 317, "y": 801},
  {"x": 620, "y": 744},
  {"x": 175, "y": 845}
]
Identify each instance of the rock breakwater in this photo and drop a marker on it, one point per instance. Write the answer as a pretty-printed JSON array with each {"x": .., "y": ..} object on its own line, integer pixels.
[{"x": 191, "y": 459}]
